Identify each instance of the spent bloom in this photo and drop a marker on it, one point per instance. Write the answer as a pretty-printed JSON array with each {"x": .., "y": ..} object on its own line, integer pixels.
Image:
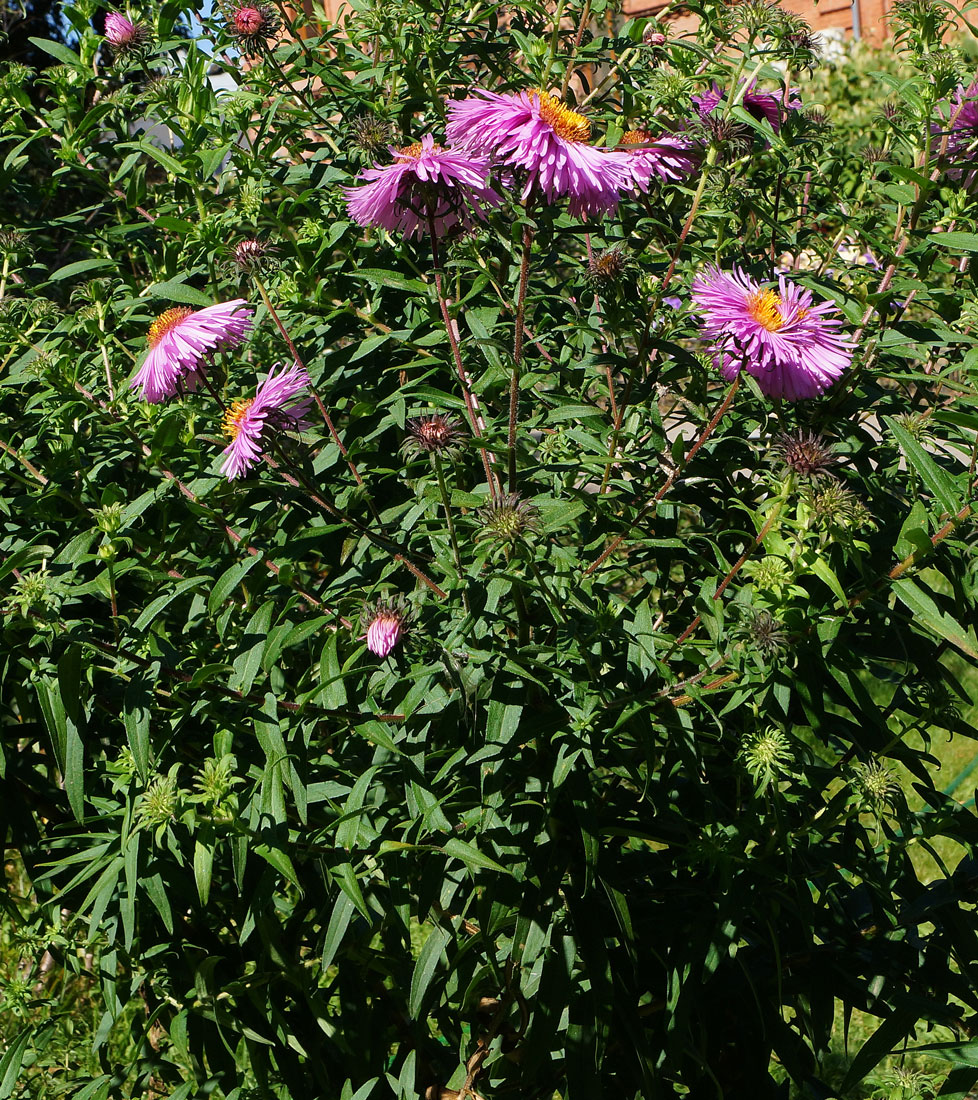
[
  {"x": 251, "y": 26},
  {"x": 425, "y": 181},
  {"x": 435, "y": 435},
  {"x": 277, "y": 405},
  {"x": 784, "y": 340},
  {"x": 959, "y": 121},
  {"x": 386, "y": 623},
  {"x": 668, "y": 156},
  {"x": 122, "y": 34},
  {"x": 180, "y": 339},
  {"x": 760, "y": 105},
  {"x": 536, "y": 132}
]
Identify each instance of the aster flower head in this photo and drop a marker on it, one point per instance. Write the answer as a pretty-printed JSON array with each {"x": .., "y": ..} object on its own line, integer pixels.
[
  {"x": 425, "y": 182},
  {"x": 179, "y": 341},
  {"x": 789, "y": 344},
  {"x": 123, "y": 34},
  {"x": 536, "y": 132},
  {"x": 252, "y": 26},
  {"x": 278, "y": 404},
  {"x": 436, "y": 435},
  {"x": 959, "y": 120},
  {"x": 666, "y": 156},
  {"x": 385, "y": 624},
  {"x": 759, "y": 105}
]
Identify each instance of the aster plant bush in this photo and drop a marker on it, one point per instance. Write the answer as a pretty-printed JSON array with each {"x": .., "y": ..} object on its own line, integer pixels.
[{"x": 487, "y": 556}]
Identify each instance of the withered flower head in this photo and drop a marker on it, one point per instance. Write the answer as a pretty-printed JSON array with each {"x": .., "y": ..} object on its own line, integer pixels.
[
  {"x": 252, "y": 256},
  {"x": 371, "y": 133},
  {"x": 434, "y": 435},
  {"x": 508, "y": 518},
  {"x": 606, "y": 268},
  {"x": 836, "y": 506},
  {"x": 805, "y": 453},
  {"x": 765, "y": 633}
]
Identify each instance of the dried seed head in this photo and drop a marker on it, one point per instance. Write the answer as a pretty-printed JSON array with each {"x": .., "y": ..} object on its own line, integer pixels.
[
  {"x": 508, "y": 518},
  {"x": 805, "y": 453},
  {"x": 875, "y": 154},
  {"x": 604, "y": 269},
  {"x": 434, "y": 435},
  {"x": 371, "y": 134},
  {"x": 732, "y": 139},
  {"x": 13, "y": 241}
]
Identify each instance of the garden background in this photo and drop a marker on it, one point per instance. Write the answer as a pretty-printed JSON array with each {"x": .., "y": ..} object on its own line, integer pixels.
[{"x": 542, "y": 712}]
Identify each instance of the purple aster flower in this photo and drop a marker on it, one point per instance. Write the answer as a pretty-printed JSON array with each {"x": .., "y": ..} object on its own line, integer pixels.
[
  {"x": 668, "y": 156},
  {"x": 536, "y": 132},
  {"x": 122, "y": 34},
  {"x": 959, "y": 120},
  {"x": 424, "y": 180},
  {"x": 181, "y": 338},
  {"x": 758, "y": 104},
  {"x": 779, "y": 336},
  {"x": 275, "y": 406},
  {"x": 386, "y": 623}
]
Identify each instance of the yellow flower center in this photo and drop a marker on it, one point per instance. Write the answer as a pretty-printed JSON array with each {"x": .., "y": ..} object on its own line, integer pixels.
[
  {"x": 566, "y": 123},
  {"x": 636, "y": 137},
  {"x": 231, "y": 425},
  {"x": 412, "y": 152},
  {"x": 764, "y": 307},
  {"x": 166, "y": 321}
]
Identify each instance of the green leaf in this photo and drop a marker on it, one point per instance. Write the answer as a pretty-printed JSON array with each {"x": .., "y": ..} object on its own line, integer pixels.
[
  {"x": 926, "y": 611},
  {"x": 382, "y": 277},
  {"x": 177, "y": 291},
  {"x": 12, "y": 1060},
  {"x": 229, "y": 580},
  {"x": 940, "y": 483},
  {"x": 967, "y": 242},
  {"x": 153, "y": 609},
  {"x": 69, "y": 271},
  {"x": 471, "y": 856},
  {"x": 136, "y": 708},
  {"x": 339, "y": 921},
  {"x": 424, "y": 969},
  {"x": 61, "y": 52}
]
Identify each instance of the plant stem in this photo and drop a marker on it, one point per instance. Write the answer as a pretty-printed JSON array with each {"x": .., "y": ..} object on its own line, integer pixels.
[
  {"x": 447, "y": 504},
  {"x": 671, "y": 479},
  {"x": 471, "y": 404},
  {"x": 514, "y": 385},
  {"x": 569, "y": 71}
]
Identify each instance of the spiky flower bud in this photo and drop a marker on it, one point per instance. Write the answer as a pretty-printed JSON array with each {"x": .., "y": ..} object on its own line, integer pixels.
[
  {"x": 159, "y": 802},
  {"x": 766, "y": 755},
  {"x": 434, "y": 435},
  {"x": 123, "y": 34},
  {"x": 386, "y": 624},
  {"x": 34, "y": 590},
  {"x": 252, "y": 256},
  {"x": 835, "y": 506},
  {"x": 805, "y": 453},
  {"x": 764, "y": 633},
  {"x": 252, "y": 26},
  {"x": 13, "y": 241},
  {"x": 875, "y": 785},
  {"x": 508, "y": 518},
  {"x": 732, "y": 140},
  {"x": 770, "y": 574}
]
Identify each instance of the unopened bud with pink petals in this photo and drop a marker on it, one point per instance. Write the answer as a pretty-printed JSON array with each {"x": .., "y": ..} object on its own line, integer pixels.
[
  {"x": 122, "y": 34},
  {"x": 386, "y": 624},
  {"x": 252, "y": 25}
]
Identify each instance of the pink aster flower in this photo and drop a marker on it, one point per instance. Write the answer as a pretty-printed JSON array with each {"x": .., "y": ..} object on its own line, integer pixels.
[
  {"x": 780, "y": 337},
  {"x": 275, "y": 406},
  {"x": 179, "y": 341},
  {"x": 122, "y": 34},
  {"x": 758, "y": 104},
  {"x": 424, "y": 180},
  {"x": 536, "y": 132},
  {"x": 668, "y": 156},
  {"x": 385, "y": 625},
  {"x": 959, "y": 120}
]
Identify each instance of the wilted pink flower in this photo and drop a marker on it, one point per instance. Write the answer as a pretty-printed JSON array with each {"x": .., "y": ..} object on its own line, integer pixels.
[
  {"x": 784, "y": 341},
  {"x": 758, "y": 104},
  {"x": 123, "y": 34},
  {"x": 959, "y": 120},
  {"x": 385, "y": 626},
  {"x": 536, "y": 132},
  {"x": 274, "y": 406},
  {"x": 179, "y": 340},
  {"x": 424, "y": 181},
  {"x": 668, "y": 156}
]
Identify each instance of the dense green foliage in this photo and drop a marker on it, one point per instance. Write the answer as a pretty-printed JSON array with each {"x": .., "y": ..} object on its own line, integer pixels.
[{"x": 628, "y": 812}]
